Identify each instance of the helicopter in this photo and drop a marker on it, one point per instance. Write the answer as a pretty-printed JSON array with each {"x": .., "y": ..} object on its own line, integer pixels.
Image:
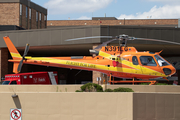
[{"x": 117, "y": 61}]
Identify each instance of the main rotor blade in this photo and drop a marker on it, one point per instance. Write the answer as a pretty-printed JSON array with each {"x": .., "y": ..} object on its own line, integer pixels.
[
  {"x": 26, "y": 50},
  {"x": 157, "y": 40},
  {"x": 104, "y": 43},
  {"x": 20, "y": 65},
  {"x": 89, "y": 38}
]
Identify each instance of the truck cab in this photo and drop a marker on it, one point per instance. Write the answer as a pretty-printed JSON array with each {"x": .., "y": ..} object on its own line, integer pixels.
[{"x": 13, "y": 82}]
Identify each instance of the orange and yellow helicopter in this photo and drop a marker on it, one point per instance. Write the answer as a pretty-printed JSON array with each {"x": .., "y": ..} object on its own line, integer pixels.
[{"x": 117, "y": 61}]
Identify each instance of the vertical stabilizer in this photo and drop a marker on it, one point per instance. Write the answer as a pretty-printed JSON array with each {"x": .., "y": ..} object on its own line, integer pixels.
[
  {"x": 14, "y": 53},
  {"x": 12, "y": 49}
]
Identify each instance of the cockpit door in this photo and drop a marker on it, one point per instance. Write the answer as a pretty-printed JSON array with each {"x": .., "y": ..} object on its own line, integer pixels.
[
  {"x": 149, "y": 66},
  {"x": 135, "y": 64}
]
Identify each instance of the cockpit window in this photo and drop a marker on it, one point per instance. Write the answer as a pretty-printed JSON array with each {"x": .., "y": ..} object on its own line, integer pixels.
[
  {"x": 161, "y": 61},
  {"x": 148, "y": 61},
  {"x": 135, "y": 60}
]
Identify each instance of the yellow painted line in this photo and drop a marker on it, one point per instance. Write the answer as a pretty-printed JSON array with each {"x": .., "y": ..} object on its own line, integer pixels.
[
  {"x": 15, "y": 55},
  {"x": 104, "y": 54}
]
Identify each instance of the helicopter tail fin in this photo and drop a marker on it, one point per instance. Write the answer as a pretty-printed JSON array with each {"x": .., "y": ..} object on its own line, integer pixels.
[
  {"x": 12, "y": 49},
  {"x": 14, "y": 53}
]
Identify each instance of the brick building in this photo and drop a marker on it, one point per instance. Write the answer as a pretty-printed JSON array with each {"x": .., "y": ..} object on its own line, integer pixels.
[
  {"x": 112, "y": 21},
  {"x": 22, "y": 13}
]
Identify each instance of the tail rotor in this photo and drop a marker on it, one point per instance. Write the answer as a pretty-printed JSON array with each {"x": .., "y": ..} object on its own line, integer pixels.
[{"x": 23, "y": 58}]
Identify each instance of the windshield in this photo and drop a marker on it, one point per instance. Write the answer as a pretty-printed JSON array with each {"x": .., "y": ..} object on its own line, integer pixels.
[
  {"x": 148, "y": 61},
  {"x": 5, "y": 83},
  {"x": 161, "y": 61},
  {"x": 13, "y": 83}
]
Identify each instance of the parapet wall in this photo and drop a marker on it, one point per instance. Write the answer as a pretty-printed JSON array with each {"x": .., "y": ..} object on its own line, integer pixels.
[
  {"x": 112, "y": 22},
  {"x": 156, "y": 106},
  {"x": 68, "y": 106},
  {"x": 73, "y": 88},
  {"x": 56, "y": 102},
  {"x": 150, "y": 88},
  {"x": 91, "y": 106}
]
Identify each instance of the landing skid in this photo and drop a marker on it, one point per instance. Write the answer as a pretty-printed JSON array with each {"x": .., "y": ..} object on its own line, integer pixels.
[{"x": 130, "y": 81}]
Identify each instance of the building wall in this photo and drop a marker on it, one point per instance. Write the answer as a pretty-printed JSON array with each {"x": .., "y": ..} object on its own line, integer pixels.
[
  {"x": 112, "y": 22},
  {"x": 68, "y": 106},
  {"x": 42, "y": 21},
  {"x": 73, "y": 88},
  {"x": 3, "y": 62},
  {"x": 149, "y": 88},
  {"x": 90, "y": 106},
  {"x": 156, "y": 106},
  {"x": 9, "y": 14},
  {"x": 23, "y": 16},
  {"x": 33, "y": 19}
]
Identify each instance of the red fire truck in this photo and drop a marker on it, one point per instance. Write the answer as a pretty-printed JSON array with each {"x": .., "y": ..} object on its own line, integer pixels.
[{"x": 44, "y": 78}]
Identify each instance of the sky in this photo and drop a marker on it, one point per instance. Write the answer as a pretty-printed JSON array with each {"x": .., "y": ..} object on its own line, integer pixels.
[{"x": 128, "y": 9}]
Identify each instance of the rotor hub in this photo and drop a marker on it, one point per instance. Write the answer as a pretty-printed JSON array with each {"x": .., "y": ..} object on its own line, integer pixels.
[{"x": 123, "y": 37}]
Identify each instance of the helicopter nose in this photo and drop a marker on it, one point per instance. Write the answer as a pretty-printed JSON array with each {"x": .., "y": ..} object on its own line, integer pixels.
[{"x": 169, "y": 71}]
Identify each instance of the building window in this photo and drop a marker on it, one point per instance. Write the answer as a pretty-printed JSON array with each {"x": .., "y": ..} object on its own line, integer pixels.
[
  {"x": 26, "y": 12},
  {"x": 29, "y": 18},
  {"x": 45, "y": 20},
  {"x": 40, "y": 19},
  {"x": 37, "y": 19},
  {"x": 20, "y": 15},
  {"x": 20, "y": 9},
  {"x": 26, "y": 17}
]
